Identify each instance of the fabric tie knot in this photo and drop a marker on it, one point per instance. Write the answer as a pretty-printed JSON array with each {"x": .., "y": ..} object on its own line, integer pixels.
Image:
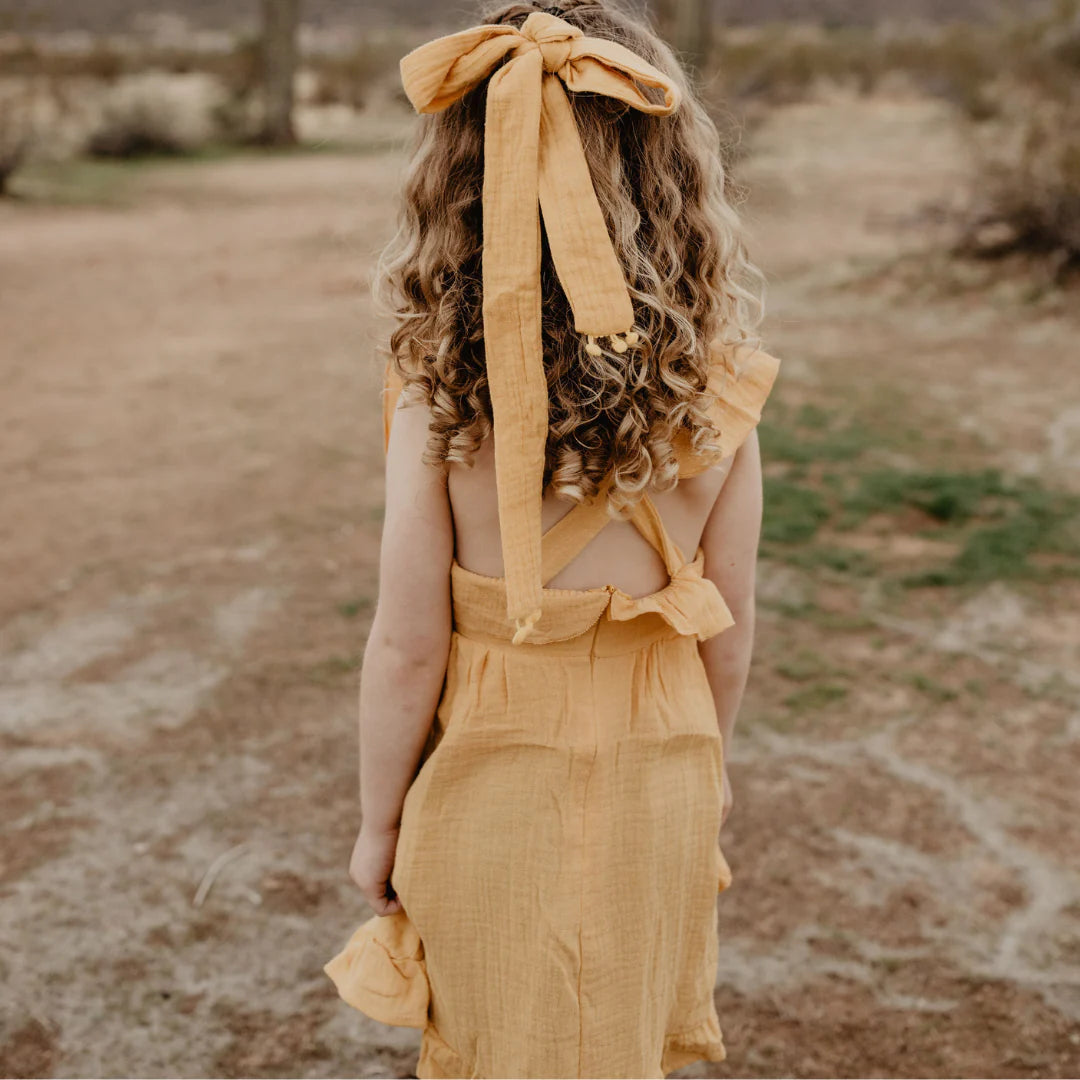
[
  {"x": 553, "y": 36},
  {"x": 534, "y": 164}
]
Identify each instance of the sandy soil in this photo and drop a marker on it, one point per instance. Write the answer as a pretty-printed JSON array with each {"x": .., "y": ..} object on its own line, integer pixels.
[{"x": 192, "y": 492}]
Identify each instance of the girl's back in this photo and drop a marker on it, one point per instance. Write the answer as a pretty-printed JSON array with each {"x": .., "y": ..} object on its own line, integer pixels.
[{"x": 618, "y": 555}]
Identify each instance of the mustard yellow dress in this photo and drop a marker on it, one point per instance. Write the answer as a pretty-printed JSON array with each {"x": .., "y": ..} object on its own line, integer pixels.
[{"x": 558, "y": 861}]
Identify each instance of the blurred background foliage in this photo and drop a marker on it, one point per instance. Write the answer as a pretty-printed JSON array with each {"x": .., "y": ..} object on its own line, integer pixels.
[{"x": 100, "y": 81}]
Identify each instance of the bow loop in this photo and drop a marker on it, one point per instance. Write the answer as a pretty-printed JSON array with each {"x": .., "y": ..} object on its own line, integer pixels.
[{"x": 534, "y": 163}]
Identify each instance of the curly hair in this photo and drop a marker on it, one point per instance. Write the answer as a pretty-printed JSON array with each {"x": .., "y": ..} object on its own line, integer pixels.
[{"x": 661, "y": 184}]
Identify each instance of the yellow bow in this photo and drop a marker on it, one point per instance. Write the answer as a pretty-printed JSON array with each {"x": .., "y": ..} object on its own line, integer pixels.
[{"x": 533, "y": 162}]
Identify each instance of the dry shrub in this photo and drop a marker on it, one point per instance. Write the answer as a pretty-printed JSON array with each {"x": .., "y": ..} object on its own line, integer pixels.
[
  {"x": 138, "y": 128},
  {"x": 957, "y": 63},
  {"x": 16, "y": 134},
  {"x": 1026, "y": 197},
  {"x": 29, "y": 58},
  {"x": 132, "y": 75},
  {"x": 960, "y": 63},
  {"x": 779, "y": 64},
  {"x": 1018, "y": 82},
  {"x": 156, "y": 114},
  {"x": 347, "y": 78},
  {"x": 786, "y": 63},
  {"x": 1026, "y": 191},
  {"x": 110, "y": 59},
  {"x": 12, "y": 155}
]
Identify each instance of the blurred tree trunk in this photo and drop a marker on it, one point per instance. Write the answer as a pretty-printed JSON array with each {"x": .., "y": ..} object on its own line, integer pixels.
[
  {"x": 279, "y": 55},
  {"x": 687, "y": 25}
]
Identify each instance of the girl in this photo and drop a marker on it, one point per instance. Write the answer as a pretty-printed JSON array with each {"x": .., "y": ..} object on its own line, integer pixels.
[{"x": 550, "y": 684}]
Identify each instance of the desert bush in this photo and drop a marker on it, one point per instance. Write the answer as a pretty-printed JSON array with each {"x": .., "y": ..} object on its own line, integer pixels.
[
  {"x": 155, "y": 114},
  {"x": 1018, "y": 82},
  {"x": 110, "y": 59},
  {"x": 957, "y": 63},
  {"x": 347, "y": 78},
  {"x": 138, "y": 128},
  {"x": 29, "y": 58},
  {"x": 786, "y": 63},
  {"x": 779, "y": 63},
  {"x": 1026, "y": 192},
  {"x": 15, "y": 135},
  {"x": 1025, "y": 195}
]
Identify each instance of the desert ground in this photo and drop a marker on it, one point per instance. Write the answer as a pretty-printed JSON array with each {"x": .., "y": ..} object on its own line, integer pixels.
[{"x": 191, "y": 509}]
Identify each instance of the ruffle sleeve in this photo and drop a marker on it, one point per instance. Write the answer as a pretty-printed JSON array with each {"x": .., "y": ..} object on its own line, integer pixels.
[
  {"x": 381, "y": 972},
  {"x": 740, "y": 381},
  {"x": 739, "y": 385}
]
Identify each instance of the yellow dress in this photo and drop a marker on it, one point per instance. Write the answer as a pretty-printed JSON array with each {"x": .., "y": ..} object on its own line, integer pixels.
[{"x": 558, "y": 860}]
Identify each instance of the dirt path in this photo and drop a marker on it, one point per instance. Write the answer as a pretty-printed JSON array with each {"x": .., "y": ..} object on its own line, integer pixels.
[{"x": 191, "y": 508}]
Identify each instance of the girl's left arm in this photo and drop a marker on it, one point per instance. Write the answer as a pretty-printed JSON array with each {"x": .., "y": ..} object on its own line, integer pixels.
[
  {"x": 405, "y": 659},
  {"x": 730, "y": 541}
]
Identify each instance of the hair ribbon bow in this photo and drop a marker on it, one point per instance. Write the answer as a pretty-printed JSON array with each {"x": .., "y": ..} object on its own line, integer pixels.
[{"x": 534, "y": 163}]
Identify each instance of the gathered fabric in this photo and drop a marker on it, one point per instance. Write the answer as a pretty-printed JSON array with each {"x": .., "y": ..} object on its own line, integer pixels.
[
  {"x": 558, "y": 861},
  {"x": 558, "y": 857},
  {"x": 534, "y": 163}
]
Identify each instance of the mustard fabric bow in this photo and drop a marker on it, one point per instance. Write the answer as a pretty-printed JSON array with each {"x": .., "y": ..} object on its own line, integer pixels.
[{"x": 533, "y": 162}]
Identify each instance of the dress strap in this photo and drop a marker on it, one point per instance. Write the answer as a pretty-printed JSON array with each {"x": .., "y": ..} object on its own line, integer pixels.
[
  {"x": 649, "y": 523},
  {"x": 570, "y": 535}
]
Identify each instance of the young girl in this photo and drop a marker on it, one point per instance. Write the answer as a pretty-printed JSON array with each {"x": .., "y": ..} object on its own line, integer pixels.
[{"x": 550, "y": 683}]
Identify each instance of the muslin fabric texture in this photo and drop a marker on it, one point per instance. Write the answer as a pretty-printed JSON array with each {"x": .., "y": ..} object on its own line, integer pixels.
[{"x": 558, "y": 858}]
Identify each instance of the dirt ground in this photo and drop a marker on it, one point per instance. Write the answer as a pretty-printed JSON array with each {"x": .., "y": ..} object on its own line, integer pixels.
[{"x": 191, "y": 509}]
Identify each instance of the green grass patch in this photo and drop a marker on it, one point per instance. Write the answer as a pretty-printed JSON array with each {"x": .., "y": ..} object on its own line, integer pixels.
[
  {"x": 809, "y": 439},
  {"x": 944, "y": 496},
  {"x": 829, "y": 557},
  {"x": 1027, "y": 533},
  {"x": 933, "y": 689},
  {"x": 114, "y": 182},
  {"x": 779, "y": 720},
  {"x": 825, "y": 474},
  {"x": 79, "y": 182},
  {"x": 795, "y": 512},
  {"x": 819, "y": 695},
  {"x": 806, "y": 666},
  {"x": 811, "y": 611},
  {"x": 89, "y": 181},
  {"x": 350, "y": 609}
]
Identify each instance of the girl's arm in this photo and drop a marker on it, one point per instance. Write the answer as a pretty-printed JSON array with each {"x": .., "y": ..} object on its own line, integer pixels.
[
  {"x": 730, "y": 540},
  {"x": 405, "y": 659}
]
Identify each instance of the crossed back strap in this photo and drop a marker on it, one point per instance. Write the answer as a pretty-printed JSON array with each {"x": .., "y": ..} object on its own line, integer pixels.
[
  {"x": 651, "y": 526},
  {"x": 572, "y": 533}
]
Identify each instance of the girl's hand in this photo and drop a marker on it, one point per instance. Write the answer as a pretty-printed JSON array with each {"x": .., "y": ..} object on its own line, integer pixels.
[
  {"x": 729, "y": 798},
  {"x": 371, "y": 865}
]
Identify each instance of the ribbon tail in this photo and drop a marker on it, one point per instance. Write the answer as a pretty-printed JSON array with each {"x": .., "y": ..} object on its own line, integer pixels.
[
  {"x": 512, "y": 325},
  {"x": 581, "y": 247}
]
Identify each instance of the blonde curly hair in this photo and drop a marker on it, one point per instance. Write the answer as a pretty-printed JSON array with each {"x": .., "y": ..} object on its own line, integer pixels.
[{"x": 661, "y": 184}]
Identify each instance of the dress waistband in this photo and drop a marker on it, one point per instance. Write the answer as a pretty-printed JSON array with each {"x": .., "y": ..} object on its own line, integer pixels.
[{"x": 606, "y": 637}]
